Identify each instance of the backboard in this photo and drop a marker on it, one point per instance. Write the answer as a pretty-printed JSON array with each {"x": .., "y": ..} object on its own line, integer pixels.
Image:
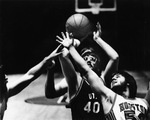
[{"x": 95, "y": 6}]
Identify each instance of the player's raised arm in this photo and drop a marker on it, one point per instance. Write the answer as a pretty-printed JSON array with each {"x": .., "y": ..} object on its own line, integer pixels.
[
  {"x": 112, "y": 65},
  {"x": 18, "y": 85}
]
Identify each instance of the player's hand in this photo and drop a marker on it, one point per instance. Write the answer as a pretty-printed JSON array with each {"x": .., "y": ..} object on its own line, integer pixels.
[
  {"x": 98, "y": 33},
  {"x": 65, "y": 52},
  {"x": 66, "y": 41},
  {"x": 76, "y": 42}
]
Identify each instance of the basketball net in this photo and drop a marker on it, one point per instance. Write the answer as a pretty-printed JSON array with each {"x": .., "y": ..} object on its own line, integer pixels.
[{"x": 95, "y": 8}]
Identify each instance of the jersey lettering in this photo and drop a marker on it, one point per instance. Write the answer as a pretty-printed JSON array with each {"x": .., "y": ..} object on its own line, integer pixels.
[
  {"x": 129, "y": 114},
  {"x": 89, "y": 107},
  {"x": 127, "y": 106},
  {"x": 92, "y": 96}
]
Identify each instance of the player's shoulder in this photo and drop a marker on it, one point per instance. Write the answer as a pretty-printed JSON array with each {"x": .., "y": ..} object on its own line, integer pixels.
[{"x": 143, "y": 101}]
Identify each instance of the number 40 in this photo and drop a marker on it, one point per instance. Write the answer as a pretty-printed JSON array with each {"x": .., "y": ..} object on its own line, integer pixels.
[{"x": 95, "y": 107}]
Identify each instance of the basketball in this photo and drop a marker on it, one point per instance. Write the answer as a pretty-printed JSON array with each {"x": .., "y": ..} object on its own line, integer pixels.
[{"x": 79, "y": 25}]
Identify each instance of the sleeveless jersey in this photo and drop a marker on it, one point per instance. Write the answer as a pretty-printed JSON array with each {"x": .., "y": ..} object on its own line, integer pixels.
[
  {"x": 85, "y": 105},
  {"x": 128, "y": 109}
]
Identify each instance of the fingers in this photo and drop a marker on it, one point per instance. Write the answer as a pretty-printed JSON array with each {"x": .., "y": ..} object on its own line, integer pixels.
[
  {"x": 76, "y": 43},
  {"x": 98, "y": 23},
  {"x": 98, "y": 26},
  {"x": 59, "y": 48},
  {"x": 94, "y": 33},
  {"x": 57, "y": 54},
  {"x": 71, "y": 35},
  {"x": 63, "y": 35},
  {"x": 59, "y": 40},
  {"x": 67, "y": 35},
  {"x": 66, "y": 40}
]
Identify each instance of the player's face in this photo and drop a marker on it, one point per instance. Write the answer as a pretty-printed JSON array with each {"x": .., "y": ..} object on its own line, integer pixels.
[
  {"x": 117, "y": 80},
  {"x": 91, "y": 60}
]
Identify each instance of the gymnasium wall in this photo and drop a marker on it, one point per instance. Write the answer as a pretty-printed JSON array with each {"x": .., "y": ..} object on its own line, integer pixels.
[{"x": 29, "y": 28}]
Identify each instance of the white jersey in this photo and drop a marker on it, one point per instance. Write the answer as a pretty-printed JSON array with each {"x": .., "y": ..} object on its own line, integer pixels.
[{"x": 128, "y": 109}]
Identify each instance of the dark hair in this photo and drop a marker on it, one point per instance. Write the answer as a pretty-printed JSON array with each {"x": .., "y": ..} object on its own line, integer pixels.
[
  {"x": 130, "y": 81},
  {"x": 86, "y": 50}
]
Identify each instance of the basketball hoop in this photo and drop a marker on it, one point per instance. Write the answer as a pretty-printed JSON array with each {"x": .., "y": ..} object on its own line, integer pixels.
[{"x": 96, "y": 8}]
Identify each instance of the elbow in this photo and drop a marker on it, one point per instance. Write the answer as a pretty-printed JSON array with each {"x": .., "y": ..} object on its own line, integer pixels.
[
  {"x": 115, "y": 57},
  {"x": 49, "y": 96}
]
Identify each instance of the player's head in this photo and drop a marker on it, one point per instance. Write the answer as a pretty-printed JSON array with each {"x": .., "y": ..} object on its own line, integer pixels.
[
  {"x": 121, "y": 81},
  {"x": 92, "y": 59},
  {"x": 3, "y": 79}
]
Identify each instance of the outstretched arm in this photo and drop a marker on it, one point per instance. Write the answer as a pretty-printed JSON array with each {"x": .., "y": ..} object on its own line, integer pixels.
[
  {"x": 19, "y": 84},
  {"x": 112, "y": 65}
]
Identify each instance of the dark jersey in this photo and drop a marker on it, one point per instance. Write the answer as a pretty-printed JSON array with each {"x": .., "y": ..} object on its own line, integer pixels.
[{"x": 85, "y": 105}]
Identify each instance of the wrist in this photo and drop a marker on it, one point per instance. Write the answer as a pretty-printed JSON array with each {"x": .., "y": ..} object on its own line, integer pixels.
[
  {"x": 71, "y": 47},
  {"x": 97, "y": 38},
  {"x": 71, "y": 44}
]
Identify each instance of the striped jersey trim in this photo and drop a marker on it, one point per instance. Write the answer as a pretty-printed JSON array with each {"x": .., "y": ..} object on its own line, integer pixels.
[{"x": 110, "y": 116}]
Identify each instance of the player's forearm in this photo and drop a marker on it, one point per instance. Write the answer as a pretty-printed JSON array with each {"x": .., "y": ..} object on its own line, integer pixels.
[
  {"x": 50, "y": 91},
  {"x": 68, "y": 70},
  {"x": 95, "y": 82},
  {"x": 40, "y": 67},
  {"x": 112, "y": 54}
]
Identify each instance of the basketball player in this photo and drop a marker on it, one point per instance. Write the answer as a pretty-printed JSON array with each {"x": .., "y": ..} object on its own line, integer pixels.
[
  {"x": 119, "y": 102},
  {"x": 8, "y": 90},
  {"x": 83, "y": 101}
]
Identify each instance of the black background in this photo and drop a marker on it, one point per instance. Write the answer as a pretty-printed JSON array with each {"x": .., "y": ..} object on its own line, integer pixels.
[{"x": 29, "y": 29}]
